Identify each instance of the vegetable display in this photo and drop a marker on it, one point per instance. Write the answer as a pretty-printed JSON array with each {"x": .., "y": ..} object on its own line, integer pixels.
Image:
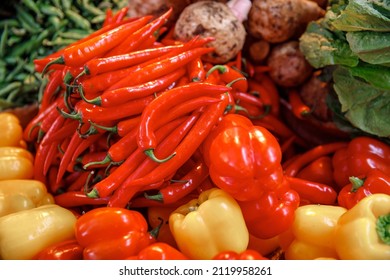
[{"x": 142, "y": 148}]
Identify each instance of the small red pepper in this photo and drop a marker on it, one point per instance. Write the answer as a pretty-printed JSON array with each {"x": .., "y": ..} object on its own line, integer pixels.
[
  {"x": 159, "y": 251},
  {"x": 248, "y": 254},
  {"x": 228, "y": 75},
  {"x": 375, "y": 181},
  {"x": 64, "y": 250}
]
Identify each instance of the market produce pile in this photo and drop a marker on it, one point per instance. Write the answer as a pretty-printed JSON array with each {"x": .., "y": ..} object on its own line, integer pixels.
[{"x": 147, "y": 146}]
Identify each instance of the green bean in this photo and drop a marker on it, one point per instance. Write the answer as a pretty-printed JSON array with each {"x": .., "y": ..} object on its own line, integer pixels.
[
  {"x": 9, "y": 87},
  {"x": 12, "y": 95},
  {"x": 9, "y": 22},
  {"x": 78, "y": 20},
  {"x": 86, "y": 5},
  {"x": 18, "y": 31},
  {"x": 98, "y": 19},
  {"x": 3, "y": 41},
  {"x": 12, "y": 40},
  {"x": 66, "y": 4},
  {"x": 56, "y": 3},
  {"x": 27, "y": 20},
  {"x": 51, "y": 10},
  {"x": 11, "y": 75},
  {"x": 3, "y": 71},
  {"x": 5, "y": 104},
  {"x": 32, "y": 6},
  {"x": 72, "y": 35},
  {"x": 54, "y": 21}
]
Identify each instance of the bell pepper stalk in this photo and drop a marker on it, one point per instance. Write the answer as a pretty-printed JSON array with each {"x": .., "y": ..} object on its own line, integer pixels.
[
  {"x": 208, "y": 225},
  {"x": 248, "y": 254},
  {"x": 110, "y": 233},
  {"x": 25, "y": 233},
  {"x": 244, "y": 160},
  {"x": 313, "y": 232},
  {"x": 159, "y": 251},
  {"x": 374, "y": 182},
  {"x": 361, "y": 154},
  {"x": 272, "y": 213},
  {"x": 362, "y": 233},
  {"x": 22, "y": 194}
]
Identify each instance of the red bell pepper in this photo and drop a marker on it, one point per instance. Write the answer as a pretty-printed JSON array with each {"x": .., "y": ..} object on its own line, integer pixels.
[
  {"x": 375, "y": 181},
  {"x": 362, "y": 154},
  {"x": 246, "y": 255},
  {"x": 112, "y": 233},
  {"x": 243, "y": 159},
  {"x": 159, "y": 251}
]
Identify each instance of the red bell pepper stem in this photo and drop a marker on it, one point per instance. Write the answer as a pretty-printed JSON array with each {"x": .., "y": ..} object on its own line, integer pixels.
[
  {"x": 321, "y": 150},
  {"x": 184, "y": 151},
  {"x": 314, "y": 192},
  {"x": 298, "y": 107},
  {"x": 132, "y": 41},
  {"x": 175, "y": 191},
  {"x": 160, "y": 106},
  {"x": 106, "y": 186},
  {"x": 228, "y": 74},
  {"x": 118, "y": 96},
  {"x": 71, "y": 199},
  {"x": 77, "y": 55}
]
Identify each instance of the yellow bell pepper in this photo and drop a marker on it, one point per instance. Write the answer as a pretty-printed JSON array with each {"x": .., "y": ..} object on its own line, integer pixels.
[
  {"x": 16, "y": 167},
  {"x": 313, "y": 232},
  {"x": 364, "y": 231},
  {"x": 11, "y": 130},
  {"x": 209, "y": 225},
  {"x": 25, "y": 233},
  {"x": 18, "y": 195}
]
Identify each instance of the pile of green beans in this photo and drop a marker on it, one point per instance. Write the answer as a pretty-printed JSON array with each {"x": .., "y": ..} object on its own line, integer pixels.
[{"x": 36, "y": 28}]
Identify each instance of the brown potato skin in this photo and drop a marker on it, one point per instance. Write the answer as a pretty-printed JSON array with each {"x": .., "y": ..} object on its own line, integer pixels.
[{"x": 212, "y": 19}]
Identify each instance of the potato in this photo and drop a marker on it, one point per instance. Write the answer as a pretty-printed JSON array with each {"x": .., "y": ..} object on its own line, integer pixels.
[{"x": 212, "y": 19}]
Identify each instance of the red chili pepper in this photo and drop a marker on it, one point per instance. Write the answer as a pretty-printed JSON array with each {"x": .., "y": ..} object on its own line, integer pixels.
[
  {"x": 71, "y": 199},
  {"x": 246, "y": 255},
  {"x": 320, "y": 170},
  {"x": 159, "y": 251},
  {"x": 375, "y": 181},
  {"x": 165, "y": 102},
  {"x": 112, "y": 233},
  {"x": 132, "y": 41},
  {"x": 184, "y": 151},
  {"x": 298, "y": 108},
  {"x": 358, "y": 157},
  {"x": 196, "y": 71},
  {"x": 309, "y": 156},
  {"x": 228, "y": 75},
  {"x": 313, "y": 192},
  {"x": 274, "y": 124},
  {"x": 257, "y": 89},
  {"x": 271, "y": 90},
  {"x": 65, "y": 250},
  {"x": 118, "y": 17},
  {"x": 178, "y": 190},
  {"x": 118, "y": 96},
  {"x": 106, "y": 186},
  {"x": 51, "y": 89}
]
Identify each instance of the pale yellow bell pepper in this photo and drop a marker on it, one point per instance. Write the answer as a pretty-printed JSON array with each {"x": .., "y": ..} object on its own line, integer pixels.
[
  {"x": 211, "y": 224},
  {"x": 11, "y": 130},
  {"x": 23, "y": 194},
  {"x": 25, "y": 233},
  {"x": 313, "y": 232},
  {"x": 363, "y": 233}
]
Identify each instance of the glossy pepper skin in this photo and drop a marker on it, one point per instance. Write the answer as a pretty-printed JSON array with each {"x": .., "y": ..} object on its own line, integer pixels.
[
  {"x": 313, "y": 232},
  {"x": 159, "y": 251},
  {"x": 362, "y": 233},
  {"x": 244, "y": 160},
  {"x": 68, "y": 249},
  {"x": 11, "y": 130},
  {"x": 16, "y": 163},
  {"x": 362, "y": 154},
  {"x": 374, "y": 182},
  {"x": 248, "y": 254},
  {"x": 23, "y": 194},
  {"x": 211, "y": 224},
  {"x": 110, "y": 233},
  {"x": 25, "y": 233}
]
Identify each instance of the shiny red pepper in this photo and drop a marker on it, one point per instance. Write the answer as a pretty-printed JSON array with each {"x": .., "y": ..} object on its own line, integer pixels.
[
  {"x": 361, "y": 155},
  {"x": 248, "y": 254},
  {"x": 112, "y": 233},
  {"x": 159, "y": 251},
  {"x": 374, "y": 182},
  {"x": 65, "y": 250},
  {"x": 244, "y": 160}
]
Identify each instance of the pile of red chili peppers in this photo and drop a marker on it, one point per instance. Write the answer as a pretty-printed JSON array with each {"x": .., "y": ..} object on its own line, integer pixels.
[{"x": 131, "y": 118}]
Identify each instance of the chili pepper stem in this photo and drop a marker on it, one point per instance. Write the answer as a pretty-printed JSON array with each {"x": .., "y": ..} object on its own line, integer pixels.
[
  {"x": 156, "y": 197},
  {"x": 92, "y": 194},
  {"x": 107, "y": 159},
  {"x": 95, "y": 101},
  {"x": 112, "y": 129},
  {"x": 150, "y": 153},
  {"x": 74, "y": 116},
  {"x": 59, "y": 60}
]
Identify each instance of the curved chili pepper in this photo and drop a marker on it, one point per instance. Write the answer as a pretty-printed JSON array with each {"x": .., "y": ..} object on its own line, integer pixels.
[
  {"x": 257, "y": 89},
  {"x": 64, "y": 250},
  {"x": 271, "y": 90},
  {"x": 228, "y": 74},
  {"x": 49, "y": 94},
  {"x": 159, "y": 107},
  {"x": 77, "y": 55},
  {"x": 188, "y": 183},
  {"x": 320, "y": 170},
  {"x": 106, "y": 186},
  {"x": 70, "y": 199},
  {"x": 375, "y": 181},
  {"x": 196, "y": 71},
  {"x": 298, "y": 108},
  {"x": 122, "y": 127},
  {"x": 302, "y": 160},
  {"x": 313, "y": 192},
  {"x": 118, "y": 96},
  {"x": 132, "y": 41},
  {"x": 184, "y": 151}
]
